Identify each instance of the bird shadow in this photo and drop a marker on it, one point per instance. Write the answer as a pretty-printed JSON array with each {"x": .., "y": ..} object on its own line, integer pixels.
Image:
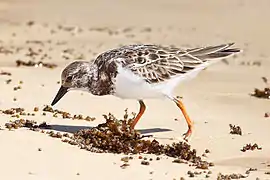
[
  {"x": 73, "y": 129},
  {"x": 68, "y": 128},
  {"x": 153, "y": 130}
]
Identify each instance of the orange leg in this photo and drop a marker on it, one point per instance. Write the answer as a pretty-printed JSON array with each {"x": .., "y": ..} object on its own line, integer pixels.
[
  {"x": 139, "y": 115},
  {"x": 188, "y": 120}
]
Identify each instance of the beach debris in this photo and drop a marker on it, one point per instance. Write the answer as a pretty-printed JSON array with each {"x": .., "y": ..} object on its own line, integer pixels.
[
  {"x": 116, "y": 136},
  {"x": 125, "y": 159},
  {"x": 191, "y": 174},
  {"x": 251, "y": 63},
  {"x": 251, "y": 169},
  {"x": 67, "y": 115},
  {"x": 235, "y": 129},
  {"x": 55, "y": 135},
  {"x": 265, "y": 93},
  {"x": 26, "y": 123},
  {"x": 36, "y": 109},
  {"x": 251, "y": 147},
  {"x": 5, "y": 73},
  {"x": 12, "y": 111},
  {"x": 35, "y": 64},
  {"x": 113, "y": 136},
  {"x": 267, "y": 114},
  {"x": 211, "y": 164},
  {"x": 17, "y": 88},
  {"x": 8, "y": 81},
  {"x": 146, "y": 29},
  {"x": 180, "y": 161},
  {"x": 16, "y": 112},
  {"x": 230, "y": 176},
  {"x": 265, "y": 80},
  {"x": 36, "y": 42},
  {"x": 124, "y": 166},
  {"x": 30, "y": 23},
  {"x": 145, "y": 163},
  {"x": 202, "y": 165},
  {"x": 5, "y": 51}
]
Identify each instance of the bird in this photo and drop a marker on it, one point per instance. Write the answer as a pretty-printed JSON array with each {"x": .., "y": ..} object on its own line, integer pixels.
[{"x": 141, "y": 71}]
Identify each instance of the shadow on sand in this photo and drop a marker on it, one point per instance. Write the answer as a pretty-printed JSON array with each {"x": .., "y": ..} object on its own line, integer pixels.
[{"x": 72, "y": 129}]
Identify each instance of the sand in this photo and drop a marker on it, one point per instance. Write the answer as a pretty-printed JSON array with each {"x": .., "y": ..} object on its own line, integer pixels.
[{"x": 219, "y": 96}]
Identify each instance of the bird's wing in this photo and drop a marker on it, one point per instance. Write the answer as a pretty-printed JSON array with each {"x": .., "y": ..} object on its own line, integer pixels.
[{"x": 156, "y": 63}]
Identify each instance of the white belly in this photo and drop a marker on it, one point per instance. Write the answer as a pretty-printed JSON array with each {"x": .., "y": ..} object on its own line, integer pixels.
[{"x": 129, "y": 86}]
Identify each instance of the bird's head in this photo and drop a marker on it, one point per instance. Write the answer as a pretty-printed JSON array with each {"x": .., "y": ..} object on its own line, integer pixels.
[{"x": 75, "y": 76}]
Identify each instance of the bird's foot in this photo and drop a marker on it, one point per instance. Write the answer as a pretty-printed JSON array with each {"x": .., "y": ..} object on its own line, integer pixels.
[{"x": 187, "y": 135}]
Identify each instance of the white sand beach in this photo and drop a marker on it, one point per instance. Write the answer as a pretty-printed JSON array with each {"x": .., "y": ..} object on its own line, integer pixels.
[{"x": 63, "y": 31}]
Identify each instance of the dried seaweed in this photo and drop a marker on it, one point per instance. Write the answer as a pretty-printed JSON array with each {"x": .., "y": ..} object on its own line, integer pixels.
[
  {"x": 113, "y": 136},
  {"x": 26, "y": 123},
  {"x": 250, "y": 147},
  {"x": 67, "y": 115},
  {"x": 116, "y": 136},
  {"x": 230, "y": 176},
  {"x": 35, "y": 64},
  {"x": 5, "y": 73},
  {"x": 265, "y": 93},
  {"x": 235, "y": 129}
]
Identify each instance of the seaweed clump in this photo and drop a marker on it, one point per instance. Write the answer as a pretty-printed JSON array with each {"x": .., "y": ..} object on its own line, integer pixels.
[
  {"x": 32, "y": 125},
  {"x": 116, "y": 136},
  {"x": 35, "y": 64},
  {"x": 265, "y": 93},
  {"x": 67, "y": 115},
  {"x": 251, "y": 147},
  {"x": 235, "y": 129},
  {"x": 5, "y": 73},
  {"x": 113, "y": 136},
  {"x": 230, "y": 176}
]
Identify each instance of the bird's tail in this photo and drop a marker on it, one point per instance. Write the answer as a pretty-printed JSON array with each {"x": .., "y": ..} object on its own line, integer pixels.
[{"x": 213, "y": 52}]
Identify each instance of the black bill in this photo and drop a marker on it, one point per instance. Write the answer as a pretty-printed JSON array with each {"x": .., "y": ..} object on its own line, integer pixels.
[{"x": 61, "y": 92}]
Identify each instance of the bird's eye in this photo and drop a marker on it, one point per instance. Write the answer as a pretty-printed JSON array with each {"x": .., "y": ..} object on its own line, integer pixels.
[{"x": 69, "y": 78}]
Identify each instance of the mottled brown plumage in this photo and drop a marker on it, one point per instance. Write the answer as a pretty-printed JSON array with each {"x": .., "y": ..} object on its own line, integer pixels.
[{"x": 157, "y": 63}]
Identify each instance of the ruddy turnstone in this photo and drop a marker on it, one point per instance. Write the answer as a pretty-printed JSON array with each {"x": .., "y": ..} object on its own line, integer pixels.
[{"x": 140, "y": 72}]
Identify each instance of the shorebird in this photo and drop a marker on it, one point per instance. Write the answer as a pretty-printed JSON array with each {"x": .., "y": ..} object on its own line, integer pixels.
[{"x": 141, "y": 72}]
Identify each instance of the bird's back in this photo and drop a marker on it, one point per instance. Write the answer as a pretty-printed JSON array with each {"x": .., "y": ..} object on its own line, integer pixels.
[{"x": 157, "y": 63}]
